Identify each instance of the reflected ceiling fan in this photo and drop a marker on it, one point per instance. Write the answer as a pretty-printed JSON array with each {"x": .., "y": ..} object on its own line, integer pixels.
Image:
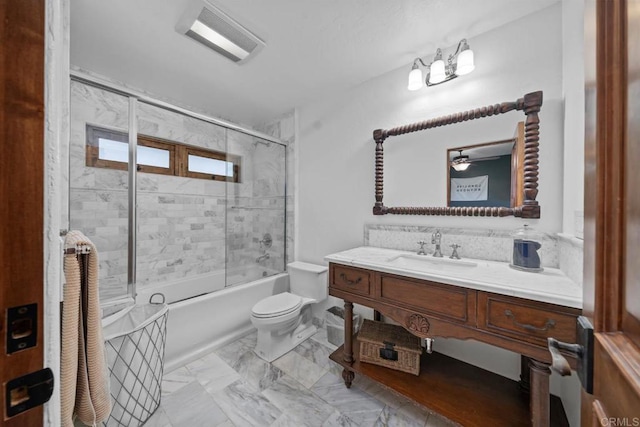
[{"x": 461, "y": 162}]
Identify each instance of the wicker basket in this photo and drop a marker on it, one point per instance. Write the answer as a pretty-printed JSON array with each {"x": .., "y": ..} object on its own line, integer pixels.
[{"x": 390, "y": 346}]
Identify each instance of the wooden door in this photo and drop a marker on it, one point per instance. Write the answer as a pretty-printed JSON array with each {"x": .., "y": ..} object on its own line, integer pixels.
[
  {"x": 21, "y": 191},
  {"x": 612, "y": 210}
]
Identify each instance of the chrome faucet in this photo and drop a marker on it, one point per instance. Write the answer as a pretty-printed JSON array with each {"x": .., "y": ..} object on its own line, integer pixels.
[
  {"x": 436, "y": 238},
  {"x": 262, "y": 257},
  {"x": 421, "y": 251},
  {"x": 454, "y": 253}
]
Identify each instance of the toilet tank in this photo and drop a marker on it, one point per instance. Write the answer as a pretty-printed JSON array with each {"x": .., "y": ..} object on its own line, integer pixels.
[{"x": 308, "y": 280}]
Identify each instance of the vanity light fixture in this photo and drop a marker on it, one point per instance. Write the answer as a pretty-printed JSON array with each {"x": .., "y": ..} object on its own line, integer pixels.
[
  {"x": 460, "y": 162},
  {"x": 458, "y": 64}
]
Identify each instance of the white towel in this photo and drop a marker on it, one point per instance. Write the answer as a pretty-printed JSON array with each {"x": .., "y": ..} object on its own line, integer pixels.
[{"x": 84, "y": 376}]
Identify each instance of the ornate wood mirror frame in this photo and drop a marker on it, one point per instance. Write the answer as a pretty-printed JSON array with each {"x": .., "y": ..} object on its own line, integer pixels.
[{"x": 530, "y": 104}]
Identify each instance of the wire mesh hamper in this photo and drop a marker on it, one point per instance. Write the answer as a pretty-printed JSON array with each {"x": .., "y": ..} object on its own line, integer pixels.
[
  {"x": 390, "y": 346},
  {"x": 134, "y": 342}
]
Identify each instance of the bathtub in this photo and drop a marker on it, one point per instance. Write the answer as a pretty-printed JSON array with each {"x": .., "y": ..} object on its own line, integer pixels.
[{"x": 203, "y": 323}]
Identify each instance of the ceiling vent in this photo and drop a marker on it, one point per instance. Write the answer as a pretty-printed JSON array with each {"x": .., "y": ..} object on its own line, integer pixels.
[{"x": 210, "y": 26}]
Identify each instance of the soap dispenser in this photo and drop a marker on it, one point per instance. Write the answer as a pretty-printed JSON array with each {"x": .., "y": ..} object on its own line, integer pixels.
[{"x": 526, "y": 244}]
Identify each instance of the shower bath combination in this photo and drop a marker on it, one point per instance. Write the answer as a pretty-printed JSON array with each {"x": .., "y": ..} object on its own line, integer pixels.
[{"x": 189, "y": 235}]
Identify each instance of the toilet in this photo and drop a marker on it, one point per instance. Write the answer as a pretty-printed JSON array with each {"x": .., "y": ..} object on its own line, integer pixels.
[{"x": 285, "y": 320}]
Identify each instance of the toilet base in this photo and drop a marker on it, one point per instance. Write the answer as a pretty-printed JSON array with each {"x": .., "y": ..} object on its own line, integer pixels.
[{"x": 272, "y": 345}]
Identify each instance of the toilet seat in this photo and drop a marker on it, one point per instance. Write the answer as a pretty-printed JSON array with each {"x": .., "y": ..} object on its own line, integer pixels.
[{"x": 277, "y": 305}]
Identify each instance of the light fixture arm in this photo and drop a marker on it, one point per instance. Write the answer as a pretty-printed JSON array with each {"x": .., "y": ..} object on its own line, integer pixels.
[
  {"x": 462, "y": 45},
  {"x": 415, "y": 63}
]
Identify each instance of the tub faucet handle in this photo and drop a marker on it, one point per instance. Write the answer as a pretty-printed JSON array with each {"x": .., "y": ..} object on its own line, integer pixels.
[
  {"x": 454, "y": 253},
  {"x": 421, "y": 251},
  {"x": 266, "y": 241}
]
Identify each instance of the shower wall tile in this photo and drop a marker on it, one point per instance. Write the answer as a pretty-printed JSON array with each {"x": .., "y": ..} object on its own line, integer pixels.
[
  {"x": 173, "y": 247},
  {"x": 284, "y": 128},
  {"x": 98, "y": 202},
  {"x": 186, "y": 226},
  {"x": 165, "y": 124}
]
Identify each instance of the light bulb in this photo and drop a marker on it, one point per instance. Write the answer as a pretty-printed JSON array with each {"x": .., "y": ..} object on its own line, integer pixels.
[
  {"x": 465, "y": 63},
  {"x": 415, "y": 79},
  {"x": 461, "y": 166},
  {"x": 437, "y": 74}
]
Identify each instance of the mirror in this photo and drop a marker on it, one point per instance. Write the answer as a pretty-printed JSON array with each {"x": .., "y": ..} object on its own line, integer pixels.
[
  {"x": 417, "y": 184},
  {"x": 486, "y": 174}
]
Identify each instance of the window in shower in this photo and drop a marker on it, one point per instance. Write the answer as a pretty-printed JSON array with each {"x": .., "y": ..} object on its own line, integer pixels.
[
  {"x": 199, "y": 217},
  {"x": 110, "y": 149},
  {"x": 212, "y": 165}
]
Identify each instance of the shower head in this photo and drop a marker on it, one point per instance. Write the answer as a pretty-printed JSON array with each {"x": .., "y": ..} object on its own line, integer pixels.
[{"x": 261, "y": 141}]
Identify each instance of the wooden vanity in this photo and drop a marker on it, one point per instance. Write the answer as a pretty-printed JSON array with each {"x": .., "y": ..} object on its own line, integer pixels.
[{"x": 461, "y": 392}]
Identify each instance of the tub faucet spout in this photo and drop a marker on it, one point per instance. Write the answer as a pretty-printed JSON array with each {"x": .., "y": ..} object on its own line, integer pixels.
[{"x": 262, "y": 257}]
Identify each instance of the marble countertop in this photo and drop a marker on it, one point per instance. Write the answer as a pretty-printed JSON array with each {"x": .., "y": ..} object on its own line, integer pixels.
[{"x": 550, "y": 285}]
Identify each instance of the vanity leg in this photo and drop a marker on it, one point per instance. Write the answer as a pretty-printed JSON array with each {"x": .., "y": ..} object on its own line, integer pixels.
[
  {"x": 348, "y": 332},
  {"x": 539, "y": 398},
  {"x": 348, "y": 377},
  {"x": 377, "y": 316},
  {"x": 525, "y": 375}
]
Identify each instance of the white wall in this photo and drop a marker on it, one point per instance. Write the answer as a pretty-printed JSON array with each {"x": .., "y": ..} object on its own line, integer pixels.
[
  {"x": 336, "y": 152},
  {"x": 573, "y": 87}
]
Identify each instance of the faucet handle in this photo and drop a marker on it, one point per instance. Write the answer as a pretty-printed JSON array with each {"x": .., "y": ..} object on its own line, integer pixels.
[
  {"x": 454, "y": 253},
  {"x": 421, "y": 250}
]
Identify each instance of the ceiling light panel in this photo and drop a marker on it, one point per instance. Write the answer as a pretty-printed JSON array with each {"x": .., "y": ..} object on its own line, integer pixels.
[{"x": 213, "y": 28}]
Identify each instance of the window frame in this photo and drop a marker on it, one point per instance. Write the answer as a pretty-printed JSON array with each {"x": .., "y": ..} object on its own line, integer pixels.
[
  {"x": 183, "y": 159},
  {"x": 178, "y": 155}
]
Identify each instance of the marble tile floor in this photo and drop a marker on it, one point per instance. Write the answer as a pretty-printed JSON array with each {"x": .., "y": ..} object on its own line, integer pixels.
[{"x": 233, "y": 387}]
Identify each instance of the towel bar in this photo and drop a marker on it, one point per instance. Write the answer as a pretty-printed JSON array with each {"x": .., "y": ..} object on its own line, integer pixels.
[{"x": 78, "y": 250}]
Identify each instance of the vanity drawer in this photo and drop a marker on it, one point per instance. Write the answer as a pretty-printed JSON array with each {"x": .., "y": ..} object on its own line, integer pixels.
[
  {"x": 445, "y": 301},
  {"x": 350, "y": 279},
  {"x": 528, "y": 320}
]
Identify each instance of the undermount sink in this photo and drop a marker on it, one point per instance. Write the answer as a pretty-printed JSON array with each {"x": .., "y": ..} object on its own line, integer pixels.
[{"x": 428, "y": 262}]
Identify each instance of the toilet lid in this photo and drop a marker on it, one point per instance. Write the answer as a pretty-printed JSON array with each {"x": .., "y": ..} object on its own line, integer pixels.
[{"x": 277, "y": 305}]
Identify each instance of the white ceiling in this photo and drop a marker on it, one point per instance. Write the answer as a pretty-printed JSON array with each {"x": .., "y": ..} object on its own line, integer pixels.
[{"x": 313, "y": 47}]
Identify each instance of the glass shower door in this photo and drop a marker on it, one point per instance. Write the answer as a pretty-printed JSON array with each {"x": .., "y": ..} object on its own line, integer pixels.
[
  {"x": 181, "y": 204},
  {"x": 98, "y": 180},
  {"x": 256, "y": 215}
]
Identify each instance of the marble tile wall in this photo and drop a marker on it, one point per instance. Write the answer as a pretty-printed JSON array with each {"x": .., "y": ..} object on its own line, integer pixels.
[
  {"x": 98, "y": 201},
  {"x": 571, "y": 257},
  {"x": 181, "y": 221},
  {"x": 284, "y": 128},
  {"x": 493, "y": 245},
  {"x": 558, "y": 250},
  {"x": 186, "y": 226}
]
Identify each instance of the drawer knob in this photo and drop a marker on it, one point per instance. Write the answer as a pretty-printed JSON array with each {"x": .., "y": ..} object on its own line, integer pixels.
[
  {"x": 548, "y": 325},
  {"x": 349, "y": 281}
]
